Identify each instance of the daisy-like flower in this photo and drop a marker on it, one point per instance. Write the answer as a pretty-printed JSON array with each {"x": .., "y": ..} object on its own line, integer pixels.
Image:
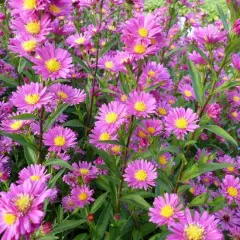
[
  {"x": 67, "y": 94},
  {"x": 197, "y": 58},
  {"x": 9, "y": 220},
  {"x": 163, "y": 159},
  {"x": 68, "y": 204},
  {"x": 13, "y": 125},
  {"x": 53, "y": 62},
  {"x": 60, "y": 7},
  {"x": 197, "y": 227},
  {"x": 141, "y": 104},
  {"x": 85, "y": 170},
  {"x": 230, "y": 188},
  {"x": 109, "y": 63},
  {"x": 187, "y": 91},
  {"x": 234, "y": 114},
  {"x": 228, "y": 159},
  {"x": 163, "y": 108},
  {"x": 34, "y": 172},
  {"x": 82, "y": 196},
  {"x": 234, "y": 98},
  {"x": 236, "y": 61},
  {"x": 59, "y": 138},
  {"x": 78, "y": 40},
  {"x": 30, "y": 97},
  {"x": 153, "y": 127},
  {"x": 28, "y": 199},
  {"x": 98, "y": 134},
  {"x": 166, "y": 210},
  {"x": 111, "y": 116},
  {"x": 181, "y": 121},
  {"x": 140, "y": 174},
  {"x": 214, "y": 111}
]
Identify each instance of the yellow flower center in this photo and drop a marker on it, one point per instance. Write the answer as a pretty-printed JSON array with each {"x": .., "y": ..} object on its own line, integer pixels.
[
  {"x": 143, "y": 32},
  {"x": 234, "y": 114},
  {"x": 167, "y": 211},
  {"x": 192, "y": 190},
  {"x": 80, "y": 40},
  {"x": 151, "y": 130},
  {"x": 162, "y": 160},
  {"x": 123, "y": 98},
  {"x": 35, "y": 178},
  {"x": 59, "y": 141},
  {"x": 153, "y": 41},
  {"x": 230, "y": 169},
  {"x": 141, "y": 134},
  {"x": 104, "y": 136},
  {"x": 109, "y": 64},
  {"x": 16, "y": 125},
  {"x": 54, "y": 9},
  {"x": 188, "y": 93},
  {"x": 162, "y": 111},
  {"x": 232, "y": 191},
  {"x": 23, "y": 202},
  {"x": 84, "y": 171},
  {"x": 29, "y": 4},
  {"x": 181, "y": 123},
  {"x": 82, "y": 196},
  {"x": 62, "y": 94},
  {"x": 29, "y": 46},
  {"x": 111, "y": 117},
  {"x": 32, "y": 98},
  {"x": 194, "y": 232},
  {"x": 170, "y": 101},
  {"x": 93, "y": 50},
  {"x": 151, "y": 73},
  {"x": 111, "y": 27},
  {"x": 236, "y": 99},
  {"x": 140, "y": 106},
  {"x": 33, "y": 27},
  {"x": 116, "y": 149},
  {"x": 53, "y": 65},
  {"x": 141, "y": 175},
  {"x": 139, "y": 49},
  {"x": 9, "y": 218}
]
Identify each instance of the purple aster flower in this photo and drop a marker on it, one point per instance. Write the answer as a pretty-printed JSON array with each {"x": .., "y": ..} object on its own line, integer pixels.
[
  {"x": 163, "y": 159},
  {"x": 234, "y": 98},
  {"x": 68, "y": 204},
  {"x": 214, "y": 111},
  {"x": 236, "y": 60},
  {"x": 82, "y": 196},
  {"x": 59, "y": 138},
  {"x": 60, "y": 7},
  {"x": 187, "y": 91},
  {"x": 197, "y": 58},
  {"x": 163, "y": 108},
  {"x": 140, "y": 174},
  {"x": 85, "y": 170},
  {"x": 30, "y": 97},
  {"x": 195, "y": 227},
  {"x": 234, "y": 114},
  {"x": 181, "y": 121},
  {"x": 78, "y": 40},
  {"x": 54, "y": 62},
  {"x": 166, "y": 210},
  {"x": 236, "y": 27}
]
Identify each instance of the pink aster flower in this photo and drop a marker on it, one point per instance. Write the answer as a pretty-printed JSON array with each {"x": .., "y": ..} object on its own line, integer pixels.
[
  {"x": 60, "y": 7},
  {"x": 140, "y": 174},
  {"x": 214, "y": 111},
  {"x": 82, "y": 196},
  {"x": 166, "y": 209},
  {"x": 234, "y": 114},
  {"x": 230, "y": 188},
  {"x": 85, "y": 170},
  {"x": 53, "y": 62},
  {"x": 28, "y": 199},
  {"x": 197, "y": 58},
  {"x": 109, "y": 63},
  {"x": 30, "y": 97},
  {"x": 181, "y": 121},
  {"x": 202, "y": 226},
  {"x": 34, "y": 172},
  {"x": 67, "y": 94},
  {"x": 13, "y": 125},
  {"x": 187, "y": 92},
  {"x": 78, "y": 40},
  {"x": 163, "y": 108},
  {"x": 236, "y": 27},
  {"x": 111, "y": 116},
  {"x": 234, "y": 98},
  {"x": 68, "y": 204},
  {"x": 59, "y": 138},
  {"x": 141, "y": 104},
  {"x": 163, "y": 159}
]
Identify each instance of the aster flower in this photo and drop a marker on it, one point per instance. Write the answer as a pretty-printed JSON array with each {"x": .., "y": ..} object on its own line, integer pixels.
[
  {"x": 70, "y": 179},
  {"x": 34, "y": 172},
  {"x": 60, "y": 7},
  {"x": 197, "y": 58},
  {"x": 196, "y": 189},
  {"x": 30, "y": 97},
  {"x": 163, "y": 108},
  {"x": 68, "y": 204},
  {"x": 85, "y": 170},
  {"x": 82, "y": 196},
  {"x": 108, "y": 63},
  {"x": 67, "y": 94},
  {"x": 78, "y": 40},
  {"x": 13, "y": 125},
  {"x": 228, "y": 159},
  {"x": 198, "y": 227},
  {"x": 181, "y": 121},
  {"x": 140, "y": 174},
  {"x": 111, "y": 116},
  {"x": 214, "y": 111},
  {"x": 140, "y": 104},
  {"x": 59, "y": 138},
  {"x": 230, "y": 188},
  {"x": 53, "y": 63},
  {"x": 163, "y": 159},
  {"x": 236, "y": 27},
  {"x": 234, "y": 98},
  {"x": 234, "y": 114},
  {"x": 187, "y": 92},
  {"x": 166, "y": 210}
]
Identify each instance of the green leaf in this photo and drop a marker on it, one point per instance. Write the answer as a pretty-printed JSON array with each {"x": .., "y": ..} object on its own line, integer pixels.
[
  {"x": 197, "y": 170},
  {"x": 67, "y": 225},
  {"x": 58, "y": 162},
  {"x": 108, "y": 46},
  {"x": 221, "y": 132},
  {"x": 73, "y": 123},
  {"x": 196, "y": 82},
  {"x": 199, "y": 200},
  {"x": 222, "y": 17},
  {"x": 8, "y": 80},
  {"x": 25, "y": 116},
  {"x": 233, "y": 46},
  {"x": 136, "y": 200},
  {"x": 21, "y": 65},
  {"x": 30, "y": 155},
  {"x": 174, "y": 51},
  {"x": 227, "y": 85},
  {"x": 48, "y": 237},
  {"x": 54, "y": 179},
  {"x": 82, "y": 236},
  {"x": 19, "y": 138},
  {"x": 52, "y": 118},
  {"x": 83, "y": 65},
  {"x": 218, "y": 203},
  {"x": 98, "y": 202}
]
